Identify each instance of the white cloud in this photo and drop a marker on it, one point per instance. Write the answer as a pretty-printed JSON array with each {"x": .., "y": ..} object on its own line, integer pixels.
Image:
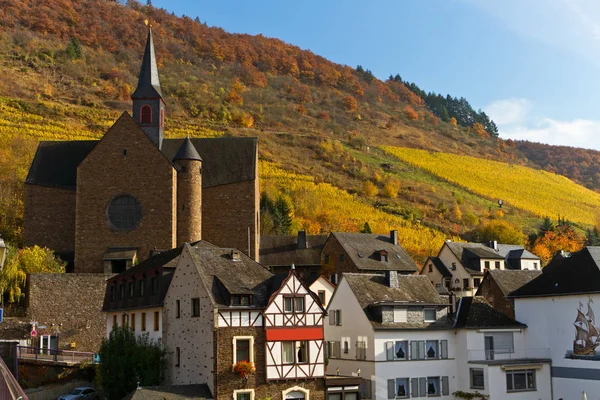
[{"x": 516, "y": 120}]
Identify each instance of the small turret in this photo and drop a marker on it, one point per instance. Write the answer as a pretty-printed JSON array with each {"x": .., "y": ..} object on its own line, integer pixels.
[
  {"x": 148, "y": 104},
  {"x": 189, "y": 193}
]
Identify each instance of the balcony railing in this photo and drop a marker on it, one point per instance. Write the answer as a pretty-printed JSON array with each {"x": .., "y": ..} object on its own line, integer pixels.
[
  {"x": 508, "y": 354},
  {"x": 9, "y": 387},
  {"x": 65, "y": 356}
]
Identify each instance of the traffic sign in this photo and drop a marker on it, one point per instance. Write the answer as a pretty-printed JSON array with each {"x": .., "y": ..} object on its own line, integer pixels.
[{"x": 34, "y": 333}]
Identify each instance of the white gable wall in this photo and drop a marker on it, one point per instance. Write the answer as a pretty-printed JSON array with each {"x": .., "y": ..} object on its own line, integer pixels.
[{"x": 322, "y": 284}]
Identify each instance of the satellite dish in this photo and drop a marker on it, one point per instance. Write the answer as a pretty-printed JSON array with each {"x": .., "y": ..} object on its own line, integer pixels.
[{"x": 500, "y": 202}]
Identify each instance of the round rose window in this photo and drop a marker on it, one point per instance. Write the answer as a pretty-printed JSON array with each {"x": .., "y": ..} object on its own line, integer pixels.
[{"x": 124, "y": 212}]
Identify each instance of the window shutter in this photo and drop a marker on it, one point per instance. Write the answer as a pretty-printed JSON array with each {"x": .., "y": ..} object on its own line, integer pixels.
[
  {"x": 414, "y": 384},
  {"x": 421, "y": 350},
  {"x": 423, "y": 386},
  {"x": 444, "y": 350},
  {"x": 339, "y": 318},
  {"x": 445, "y": 388},
  {"x": 332, "y": 317},
  {"x": 414, "y": 350},
  {"x": 389, "y": 350},
  {"x": 337, "y": 349},
  {"x": 391, "y": 389}
]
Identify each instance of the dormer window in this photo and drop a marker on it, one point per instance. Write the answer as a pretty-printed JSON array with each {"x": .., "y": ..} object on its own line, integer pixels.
[
  {"x": 146, "y": 114},
  {"x": 383, "y": 256},
  {"x": 241, "y": 300}
]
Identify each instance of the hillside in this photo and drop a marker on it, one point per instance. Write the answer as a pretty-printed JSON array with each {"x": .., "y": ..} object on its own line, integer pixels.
[{"x": 322, "y": 126}]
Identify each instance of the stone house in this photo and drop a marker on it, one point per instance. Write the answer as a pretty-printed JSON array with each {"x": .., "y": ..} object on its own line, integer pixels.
[
  {"x": 222, "y": 308},
  {"x": 497, "y": 284},
  {"x": 401, "y": 336},
  {"x": 364, "y": 252},
  {"x": 460, "y": 267},
  {"x": 105, "y": 204}
]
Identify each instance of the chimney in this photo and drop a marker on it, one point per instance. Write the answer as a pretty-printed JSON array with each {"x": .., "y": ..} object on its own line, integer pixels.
[
  {"x": 302, "y": 244},
  {"x": 394, "y": 237},
  {"x": 391, "y": 278},
  {"x": 235, "y": 255},
  {"x": 493, "y": 244}
]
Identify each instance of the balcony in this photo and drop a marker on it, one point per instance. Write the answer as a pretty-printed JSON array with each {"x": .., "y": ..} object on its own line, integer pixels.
[
  {"x": 54, "y": 356},
  {"x": 502, "y": 355}
]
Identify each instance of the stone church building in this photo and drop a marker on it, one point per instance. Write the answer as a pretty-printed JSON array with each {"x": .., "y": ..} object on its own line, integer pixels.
[{"x": 106, "y": 204}]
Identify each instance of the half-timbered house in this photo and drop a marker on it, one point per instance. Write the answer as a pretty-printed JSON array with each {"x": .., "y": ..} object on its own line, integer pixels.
[{"x": 225, "y": 314}]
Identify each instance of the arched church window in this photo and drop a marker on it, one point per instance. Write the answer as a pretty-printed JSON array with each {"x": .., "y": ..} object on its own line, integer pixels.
[
  {"x": 146, "y": 114},
  {"x": 124, "y": 212}
]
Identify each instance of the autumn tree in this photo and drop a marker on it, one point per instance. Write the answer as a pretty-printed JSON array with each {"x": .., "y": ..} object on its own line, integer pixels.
[
  {"x": 562, "y": 237},
  {"x": 235, "y": 92},
  {"x": 501, "y": 231},
  {"x": 410, "y": 113},
  {"x": 369, "y": 189},
  {"x": 350, "y": 104}
]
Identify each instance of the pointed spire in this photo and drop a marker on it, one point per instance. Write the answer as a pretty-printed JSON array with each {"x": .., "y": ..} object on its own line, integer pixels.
[
  {"x": 187, "y": 151},
  {"x": 148, "y": 82}
]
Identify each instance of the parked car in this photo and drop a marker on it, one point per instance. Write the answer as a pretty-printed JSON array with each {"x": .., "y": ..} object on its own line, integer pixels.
[{"x": 84, "y": 392}]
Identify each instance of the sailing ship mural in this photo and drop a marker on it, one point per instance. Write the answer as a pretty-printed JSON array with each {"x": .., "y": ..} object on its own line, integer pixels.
[{"x": 587, "y": 335}]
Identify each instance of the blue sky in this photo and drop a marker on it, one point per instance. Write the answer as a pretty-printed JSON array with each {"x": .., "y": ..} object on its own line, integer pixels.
[{"x": 533, "y": 65}]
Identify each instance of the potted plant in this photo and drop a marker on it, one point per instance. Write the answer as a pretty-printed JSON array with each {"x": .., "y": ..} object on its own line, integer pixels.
[{"x": 244, "y": 368}]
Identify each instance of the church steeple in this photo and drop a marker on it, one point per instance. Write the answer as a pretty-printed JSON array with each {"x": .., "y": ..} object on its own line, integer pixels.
[{"x": 148, "y": 104}]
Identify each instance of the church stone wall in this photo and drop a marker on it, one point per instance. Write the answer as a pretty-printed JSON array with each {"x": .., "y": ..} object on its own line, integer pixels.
[
  {"x": 189, "y": 201},
  {"x": 125, "y": 161},
  {"x": 73, "y": 300},
  {"x": 227, "y": 212},
  {"x": 49, "y": 219}
]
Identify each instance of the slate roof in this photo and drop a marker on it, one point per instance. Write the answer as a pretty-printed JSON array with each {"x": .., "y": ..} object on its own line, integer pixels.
[
  {"x": 223, "y": 276},
  {"x": 363, "y": 247},
  {"x": 178, "y": 392},
  {"x": 470, "y": 254},
  {"x": 148, "y": 82},
  {"x": 372, "y": 292},
  {"x": 510, "y": 280},
  {"x": 225, "y": 160},
  {"x": 578, "y": 274},
  {"x": 476, "y": 312},
  {"x": 187, "y": 151},
  {"x": 439, "y": 265},
  {"x": 283, "y": 250}
]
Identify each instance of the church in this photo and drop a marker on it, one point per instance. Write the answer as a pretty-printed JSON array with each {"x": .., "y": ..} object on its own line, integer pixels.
[{"x": 104, "y": 205}]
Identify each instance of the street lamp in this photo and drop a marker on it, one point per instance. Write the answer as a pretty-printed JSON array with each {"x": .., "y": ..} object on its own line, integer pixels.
[{"x": 3, "y": 251}]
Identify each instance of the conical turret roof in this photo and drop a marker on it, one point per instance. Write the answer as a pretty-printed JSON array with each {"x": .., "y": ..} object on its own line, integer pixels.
[
  {"x": 187, "y": 151},
  {"x": 148, "y": 82}
]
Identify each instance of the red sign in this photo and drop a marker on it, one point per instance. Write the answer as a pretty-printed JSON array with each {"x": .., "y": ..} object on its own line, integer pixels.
[
  {"x": 295, "y": 333},
  {"x": 33, "y": 332}
]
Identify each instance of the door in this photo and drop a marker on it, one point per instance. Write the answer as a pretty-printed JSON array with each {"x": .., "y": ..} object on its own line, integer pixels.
[
  {"x": 489, "y": 347},
  {"x": 45, "y": 344}
]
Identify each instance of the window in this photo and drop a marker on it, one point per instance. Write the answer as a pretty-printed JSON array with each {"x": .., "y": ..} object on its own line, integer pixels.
[
  {"x": 146, "y": 114},
  {"x": 162, "y": 117},
  {"x": 115, "y": 320},
  {"x": 400, "y": 314},
  {"x": 132, "y": 322},
  {"x": 335, "y": 317},
  {"x": 400, "y": 350},
  {"x": 293, "y": 304},
  {"x": 333, "y": 349},
  {"x": 131, "y": 290},
  {"x": 153, "y": 285},
  {"x": 123, "y": 320},
  {"x": 156, "y": 320},
  {"x": 143, "y": 322},
  {"x": 322, "y": 297},
  {"x": 466, "y": 283},
  {"x": 121, "y": 291},
  {"x": 243, "y": 394},
  {"x": 431, "y": 349},
  {"x": 243, "y": 348},
  {"x": 177, "y": 309},
  {"x": 361, "y": 350},
  {"x": 141, "y": 287},
  {"x": 497, "y": 264},
  {"x": 487, "y": 264},
  {"x": 477, "y": 381},
  {"x": 400, "y": 387},
  {"x": 520, "y": 380},
  {"x": 346, "y": 346},
  {"x": 327, "y": 259},
  {"x": 476, "y": 282},
  {"x": 429, "y": 315},
  {"x": 453, "y": 266},
  {"x": 535, "y": 265},
  {"x": 342, "y": 257},
  {"x": 241, "y": 300},
  {"x": 177, "y": 356},
  {"x": 113, "y": 293},
  {"x": 295, "y": 352},
  {"x": 430, "y": 268},
  {"x": 433, "y": 386},
  {"x": 498, "y": 343},
  {"x": 124, "y": 212},
  {"x": 195, "y": 307},
  {"x": 366, "y": 388}
]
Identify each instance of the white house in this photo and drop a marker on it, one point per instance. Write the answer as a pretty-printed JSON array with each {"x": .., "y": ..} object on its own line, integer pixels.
[
  {"x": 323, "y": 288},
  {"x": 402, "y": 337},
  {"x": 559, "y": 309},
  {"x": 460, "y": 267}
]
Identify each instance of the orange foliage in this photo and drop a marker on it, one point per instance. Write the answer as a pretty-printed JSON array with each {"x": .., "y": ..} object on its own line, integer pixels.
[
  {"x": 563, "y": 238},
  {"x": 479, "y": 130},
  {"x": 410, "y": 113},
  {"x": 324, "y": 115},
  {"x": 349, "y": 103}
]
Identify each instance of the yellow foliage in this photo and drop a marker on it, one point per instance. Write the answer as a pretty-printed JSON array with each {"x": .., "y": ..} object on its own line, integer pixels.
[
  {"x": 369, "y": 189},
  {"x": 539, "y": 192},
  {"x": 323, "y": 208}
]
